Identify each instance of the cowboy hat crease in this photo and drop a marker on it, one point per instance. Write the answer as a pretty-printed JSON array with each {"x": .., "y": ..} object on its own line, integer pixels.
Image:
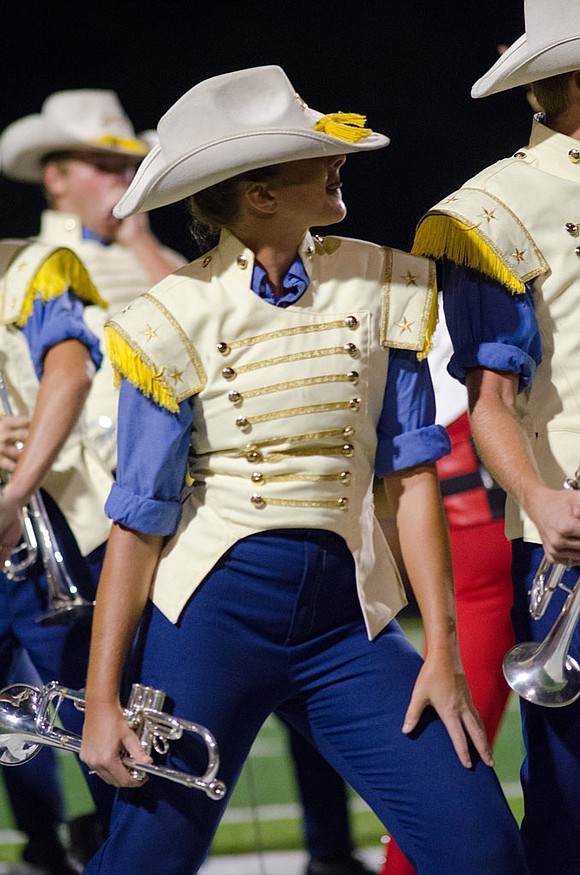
[{"x": 261, "y": 121}]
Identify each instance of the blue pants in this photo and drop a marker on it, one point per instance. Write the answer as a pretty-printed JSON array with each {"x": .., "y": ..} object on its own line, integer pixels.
[
  {"x": 277, "y": 626},
  {"x": 57, "y": 653},
  {"x": 551, "y": 770}
]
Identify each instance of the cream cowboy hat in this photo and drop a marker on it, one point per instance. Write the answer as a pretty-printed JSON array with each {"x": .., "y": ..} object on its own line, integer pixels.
[
  {"x": 88, "y": 119},
  {"x": 234, "y": 123},
  {"x": 550, "y": 45}
]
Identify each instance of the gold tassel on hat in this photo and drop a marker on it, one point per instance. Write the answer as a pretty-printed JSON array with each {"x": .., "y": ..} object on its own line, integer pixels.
[
  {"x": 347, "y": 126},
  {"x": 128, "y": 363},
  {"x": 441, "y": 236},
  {"x": 61, "y": 271}
]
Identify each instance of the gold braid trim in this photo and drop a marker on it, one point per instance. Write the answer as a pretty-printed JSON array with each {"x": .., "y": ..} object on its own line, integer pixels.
[
  {"x": 441, "y": 236},
  {"x": 129, "y": 361},
  {"x": 62, "y": 270}
]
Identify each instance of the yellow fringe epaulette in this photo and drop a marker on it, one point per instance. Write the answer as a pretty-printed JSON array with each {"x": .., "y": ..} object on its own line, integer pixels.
[
  {"x": 431, "y": 324},
  {"x": 442, "y": 236},
  {"x": 62, "y": 270},
  {"x": 129, "y": 363}
]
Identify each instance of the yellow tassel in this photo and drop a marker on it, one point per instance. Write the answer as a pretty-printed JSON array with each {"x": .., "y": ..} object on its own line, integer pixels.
[
  {"x": 440, "y": 236},
  {"x": 347, "y": 126},
  {"x": 127, "y": 363},
  {"x": 431, "y": 326},
  {"x": 62, "y": 270}
]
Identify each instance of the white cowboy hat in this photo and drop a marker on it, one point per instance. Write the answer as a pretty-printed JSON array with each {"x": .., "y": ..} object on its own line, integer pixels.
[
  {"x": 234, "y": 123},
  {"x": 89, "y": 119},
  {"x": 550, "y": 45}
]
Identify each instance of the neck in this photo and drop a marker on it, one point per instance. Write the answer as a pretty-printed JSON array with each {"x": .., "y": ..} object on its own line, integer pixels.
[{"x": 275, "y": 252}]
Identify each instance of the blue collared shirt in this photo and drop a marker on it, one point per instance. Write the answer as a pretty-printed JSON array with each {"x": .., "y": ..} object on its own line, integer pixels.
[
  {"x": 53, "y": 321},
  {"x": 145, "y": 497}
]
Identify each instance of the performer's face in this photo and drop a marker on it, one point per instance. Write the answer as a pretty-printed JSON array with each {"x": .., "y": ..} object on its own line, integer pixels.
[{"x": 309, "y": 191}]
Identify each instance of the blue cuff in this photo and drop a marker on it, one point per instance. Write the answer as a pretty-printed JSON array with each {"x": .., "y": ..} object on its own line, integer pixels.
[
  {"x": 495, "y": 357},
  {"x": 142, "y": 514},
  {"x": 427, "y": 444}
]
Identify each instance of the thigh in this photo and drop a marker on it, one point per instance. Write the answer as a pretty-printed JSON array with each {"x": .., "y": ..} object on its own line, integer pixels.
[{"x": 356, "y": 696}]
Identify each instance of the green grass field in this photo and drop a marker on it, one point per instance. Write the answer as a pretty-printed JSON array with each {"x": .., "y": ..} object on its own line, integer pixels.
[{"x": 263, "y": 812}]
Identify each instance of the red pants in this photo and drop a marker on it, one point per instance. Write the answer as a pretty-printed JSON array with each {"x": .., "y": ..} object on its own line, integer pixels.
[{"x": 481, "y": 562}]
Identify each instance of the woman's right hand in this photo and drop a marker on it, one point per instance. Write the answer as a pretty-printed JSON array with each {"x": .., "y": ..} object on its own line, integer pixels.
[
  {"x": 107, "y": 737},
  {"x": 13, "y": 433}
]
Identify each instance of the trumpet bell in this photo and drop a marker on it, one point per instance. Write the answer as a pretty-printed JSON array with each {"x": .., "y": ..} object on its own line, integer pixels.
[
  {"x": 527, "y": 672},
  {"x": 18, "y": 728}
]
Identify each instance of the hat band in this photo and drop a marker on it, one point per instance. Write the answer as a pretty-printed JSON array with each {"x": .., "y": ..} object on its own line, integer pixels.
[{"x": 118, "y": 142}]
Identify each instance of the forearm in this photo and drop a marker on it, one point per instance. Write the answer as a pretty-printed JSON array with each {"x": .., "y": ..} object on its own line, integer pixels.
[
  {"x": 416, "y": 499},
  {"x": 63, "y": 390},
  {"x": 122, "y": 594}
]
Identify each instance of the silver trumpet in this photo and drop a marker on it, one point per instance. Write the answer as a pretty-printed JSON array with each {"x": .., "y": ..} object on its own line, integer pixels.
[
  {"x": 27, "y": 722},
  {"x": 65, "y": 602},
  {"x": 545, "y": 673}
]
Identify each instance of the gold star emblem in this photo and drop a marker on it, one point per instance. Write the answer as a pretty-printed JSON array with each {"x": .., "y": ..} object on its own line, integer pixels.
[
  {"x": 176, "y": 376},
  {"x": 519, "y": 255},
  {"x": 127, "y": 308},
  {"x": 158, "y": 375},
  {"x": 488, "y": 215},
  {"x": 404, "y": 325},
  {"x": 451, "y": 199},
  {"x": 149, "y": 332},
  {"x": 410, "y": 278}
]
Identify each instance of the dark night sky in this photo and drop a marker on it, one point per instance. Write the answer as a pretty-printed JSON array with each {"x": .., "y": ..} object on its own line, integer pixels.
[{"x": 408, "y": 66}]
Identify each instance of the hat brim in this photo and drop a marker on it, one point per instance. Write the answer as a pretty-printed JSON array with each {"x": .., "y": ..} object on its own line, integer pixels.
[
  {"x": 26, "y": 142},
  {"x": 520, "y": 65},
  {"x": 157, "y": 184}
]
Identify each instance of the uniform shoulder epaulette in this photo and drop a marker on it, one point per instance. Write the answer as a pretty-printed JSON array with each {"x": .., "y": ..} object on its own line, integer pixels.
[
  {"x": 410, "y": 302},
  {"x": 473, "y": 227},
  {"x": 147, "y": 346},
  {"x": 31, "y": 270}
]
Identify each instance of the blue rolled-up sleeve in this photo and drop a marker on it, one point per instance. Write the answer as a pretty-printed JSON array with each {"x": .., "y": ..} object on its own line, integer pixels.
[
  {"x": 54, "y": 321},
  {"x": 406, "y": 432},
  {"x": 490, "y": 327},
  {"x": 152, "y": 453}
]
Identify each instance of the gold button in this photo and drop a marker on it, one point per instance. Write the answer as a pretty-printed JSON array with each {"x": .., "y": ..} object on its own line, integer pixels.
[
  {"x": 347, "y": 449},
  {"x": 310, "y": 251},
  {"x": 577, "y": 251},
  {"x": 352, "y": 376},
  {"x": 223, "y": 347},
  {"x": 351, "y": 349},
  {"x": 571, "y": 228},
  {"x": 258, "y": 501},
  {"x": 345, "y": 477},
  {"x": 355, "y": 403},
  {"x": 242, "y": 423},
  {"x": 520, "y": 155},
  {"x": 228, "y": 374},
  {"x": 257, "y": 477},
  {"x": 242, "y": 262},
  {"x": 351, "y": 322},
  {"x": 234, "y": 397},
  {"x": 206, "y": 261},
  {"x": 343, "y": 503},
  {"x": 348, "y": 431},
  {"x": 254, "y": 456},
  {"x": 574, "y": 156}
]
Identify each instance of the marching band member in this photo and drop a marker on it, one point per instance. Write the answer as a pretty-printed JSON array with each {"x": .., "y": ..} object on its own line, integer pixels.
[
  {"x": 508, "y": 239},
  {"x": 47, "y": 359},
  {"x": 278, "y": 372}
]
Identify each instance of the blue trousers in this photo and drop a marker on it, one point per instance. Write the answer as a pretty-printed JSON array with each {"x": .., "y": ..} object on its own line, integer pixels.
[
  {"x": 277, "y": 626},
  {"x": 57, "y": 653},
  {"x": 551, "y": 770}
]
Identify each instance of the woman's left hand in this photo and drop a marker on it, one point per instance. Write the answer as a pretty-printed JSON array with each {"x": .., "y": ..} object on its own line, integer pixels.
[{"x": 441, "y": 683}]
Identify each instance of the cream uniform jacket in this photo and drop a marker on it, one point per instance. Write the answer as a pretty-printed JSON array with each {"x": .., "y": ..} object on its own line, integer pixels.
[
  {"x": 77, "y": 481},
  {"x": 286, "y": 401},
  {"x": 119, "y": 276},
  {"x": 517, "y": 221}
]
